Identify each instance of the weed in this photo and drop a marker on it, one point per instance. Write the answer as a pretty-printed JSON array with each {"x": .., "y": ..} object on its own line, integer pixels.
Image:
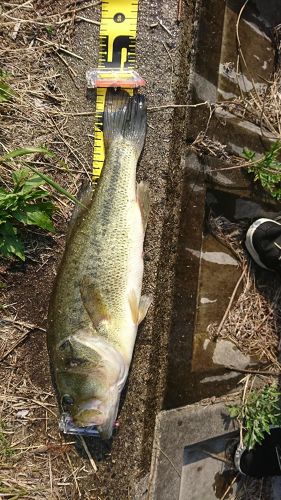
[
  {"x": 12, "y": 493},
  {"x": 267, "y": 170},
  {"x": 26, "y": 203},
  {"x": 257, "y": 413},
  {"x": 6, "y": 450},
  {"x": 6, "y": 93}
]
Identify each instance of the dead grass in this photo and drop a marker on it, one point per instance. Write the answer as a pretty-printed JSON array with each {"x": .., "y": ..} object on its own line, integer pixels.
[
  {"x": 261, "y": 104},
  {"x": 35, "y": 461},
  {"x": 253, "y": 321}
]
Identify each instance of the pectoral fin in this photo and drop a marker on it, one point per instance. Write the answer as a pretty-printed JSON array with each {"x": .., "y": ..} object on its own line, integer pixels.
[
  {"x": 143, "y": 199},
  {"x": 139, "y": 310},
  {"x": 93, "y": 301}
]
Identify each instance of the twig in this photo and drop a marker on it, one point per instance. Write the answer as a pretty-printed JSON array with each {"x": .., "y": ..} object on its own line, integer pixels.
[
  {"x": 167, "y": 106},
  {"x": 87, "y": 20},
  {"x": 82, "y": 113},
  {"x": 83, "y": 7},
  {"x": 246, "y": 164},
  {"x": 164, "y": 27},
  {"x": 50, "y": 474},
  {"x": 179, "y": 10},
  {"x": 7, "y": 353},
  {"x": 230, "y": 302},
  {"x": 92, "y": 462},
  {"x": 71, "y": 71},
  {"x": 169, "y": 460},
  {"x": 229, "y": 486},
  {"x": 20, "y": 6},
  {"x": 241, "y": 444},
  {"x": 216, "y": 457},
  {"x": 73, "y": 473},
  {"x": 252, "y": 372},
  {"x": 69, "y": 53},
  {"x": 61, "y": 48},
  {"x": 22, "y": 323},
  {"x": 70, "y": 148},
  {"x": 172, "y": 64}
]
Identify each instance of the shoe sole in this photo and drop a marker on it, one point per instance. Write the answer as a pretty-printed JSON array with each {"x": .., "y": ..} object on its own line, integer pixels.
[{"x": 249, "y": 241}]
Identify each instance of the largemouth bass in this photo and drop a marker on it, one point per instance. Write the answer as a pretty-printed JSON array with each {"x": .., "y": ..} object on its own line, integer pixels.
[{"x": 96, "y": 304}]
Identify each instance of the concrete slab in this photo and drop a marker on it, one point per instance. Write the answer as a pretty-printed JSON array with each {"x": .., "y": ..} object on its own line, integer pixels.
[
  {"x": 176, "y": 433},
  {"x": 204, "y": 477}
]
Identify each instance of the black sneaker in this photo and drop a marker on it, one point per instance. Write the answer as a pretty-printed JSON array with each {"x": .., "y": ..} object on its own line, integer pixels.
[
  {"x": 264, "y": 459},
  {"x": 263, "y": 242}
]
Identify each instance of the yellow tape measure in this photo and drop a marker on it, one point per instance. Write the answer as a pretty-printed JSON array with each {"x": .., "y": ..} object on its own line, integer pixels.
[{"x": 116, "y": 67}]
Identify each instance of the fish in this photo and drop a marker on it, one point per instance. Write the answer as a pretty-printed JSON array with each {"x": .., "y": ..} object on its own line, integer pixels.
[{"x": 96, "y": 304}]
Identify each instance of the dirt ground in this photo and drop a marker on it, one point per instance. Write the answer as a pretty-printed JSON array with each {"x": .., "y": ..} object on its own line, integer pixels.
[{"x": 35, "y": 460}]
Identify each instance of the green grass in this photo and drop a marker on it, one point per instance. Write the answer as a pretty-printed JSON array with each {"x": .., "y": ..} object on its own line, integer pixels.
[
  {"x": 260, "y": 410},
  {"x": 266, "y": 170}
]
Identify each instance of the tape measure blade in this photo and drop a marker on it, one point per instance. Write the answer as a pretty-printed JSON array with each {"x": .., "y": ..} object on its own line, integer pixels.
[{"x": 117, "y": 50}]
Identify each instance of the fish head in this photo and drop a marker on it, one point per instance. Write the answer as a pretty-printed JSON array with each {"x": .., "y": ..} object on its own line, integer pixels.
[{"x": 90, "y": 379}]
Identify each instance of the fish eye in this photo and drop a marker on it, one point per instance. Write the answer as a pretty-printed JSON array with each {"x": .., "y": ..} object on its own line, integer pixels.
[{"x": 66, "y": 401}]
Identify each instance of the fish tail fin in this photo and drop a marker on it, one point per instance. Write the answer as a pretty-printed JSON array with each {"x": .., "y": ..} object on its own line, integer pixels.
[{"x": 124, "y": 116}]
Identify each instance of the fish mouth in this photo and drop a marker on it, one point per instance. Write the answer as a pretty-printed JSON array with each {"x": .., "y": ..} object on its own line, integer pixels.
[
  {"x": 100, "y": 414},
  {"x": 89, "y": 413},
  {"x": 93, "y": 418},
  {"x": 67, "y": 426}
]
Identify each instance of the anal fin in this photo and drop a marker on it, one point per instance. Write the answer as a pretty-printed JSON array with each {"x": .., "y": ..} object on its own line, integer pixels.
[
  {"x": 139, "y": 310},
  {"x": 143, "y": 200},
  {"x": 144, "y": 304}
]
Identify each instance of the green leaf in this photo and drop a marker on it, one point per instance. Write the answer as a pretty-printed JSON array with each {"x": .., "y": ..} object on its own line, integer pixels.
[
  {"x": 233, "y": 411},
  {"x": 10, "y": 242},
  {"x": 248, "y": 154},
  {"x": 26, "y": 151},
  {"x": 37, "y": 194},
  {"x": 260, "y": 410},
  {"x": 19, "y": 176},
  {"x": 8, "y": 201},
  {"x": 32, "y": 215},
  {"x": 46, "y": 206},
  {"x": 31, "y": 184},
  {"x": 56, "y": 186}
]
